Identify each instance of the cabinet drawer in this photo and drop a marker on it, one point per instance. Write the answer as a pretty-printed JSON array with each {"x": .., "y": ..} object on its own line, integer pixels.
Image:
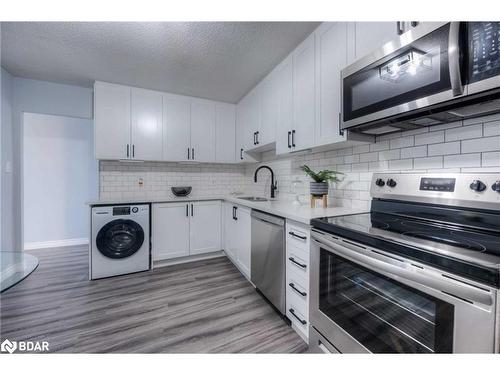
[
  {"x": 297, "y": 287},
  {"x": 298, "y": 235},
  {"x": 297, "y": 312},
  {"x": 297, "y": 261}
]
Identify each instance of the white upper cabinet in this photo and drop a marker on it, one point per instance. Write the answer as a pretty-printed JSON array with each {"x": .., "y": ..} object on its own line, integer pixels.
[
  {"x": 202, "y": 130},
  {"x": 269, "y": 105},
  {"x": 284, "y": 83},
  {"x": 225, "y": 133},
  {"x": 176, "y": 128},
  {"x": 245, "y": 130},
  {"x": 369, "y": 36},
  {"x": 304, "y": 94},
  {"x": 111, "y": 121},
  {"x": 147, "y": 127},
  {"x": 331, "y": 58}
]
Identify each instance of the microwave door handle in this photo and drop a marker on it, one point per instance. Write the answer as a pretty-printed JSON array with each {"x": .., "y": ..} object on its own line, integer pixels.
[
  {"x": 457, "y": 88},
  {"x": 462, "y": 290}
]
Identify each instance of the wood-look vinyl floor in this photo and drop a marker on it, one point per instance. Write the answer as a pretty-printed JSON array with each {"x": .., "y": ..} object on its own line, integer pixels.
[{"x": 201, "y": 307}]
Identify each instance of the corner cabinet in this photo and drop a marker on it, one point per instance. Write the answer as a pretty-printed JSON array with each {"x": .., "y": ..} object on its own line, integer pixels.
[
  {"x": 237, "y": 236},
  {"x": 185, "y": 228}
]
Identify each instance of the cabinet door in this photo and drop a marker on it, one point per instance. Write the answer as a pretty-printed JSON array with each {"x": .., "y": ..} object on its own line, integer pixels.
[
  {"x": 229, "y": 236},
  {"x": 111, "y": 121},
  {"x": 203, "y": 130},
  {"x": 176, "y": 128},
  {"x": 225, "y": 133},
  {"x": 331, "y": 58},
  {"x": 244, "y": 133},
  {"x": 147, "y": 127},
  {"x": 303, "y": 95},
  {"x": 205, "y": 227},
  {"x": 244, "y": 237},
  {"x": 284, "y": 83},
  {"x": 269, "y": 108},
  {"x": 170, "y": 235},
  {"x": 373, "y": 35}
]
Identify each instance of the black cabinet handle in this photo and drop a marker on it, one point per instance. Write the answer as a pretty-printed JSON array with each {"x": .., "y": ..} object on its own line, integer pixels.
[
  {"x": 292, "y": 285},
  {"x": 292, "y": 259},
  {"x": 256, "y": 138},
  {"x": 399, "y": 27},
  {"x": 133, "y": 151},
  {"x": 289, "y": 145},
  {"x": 192, "y": 209},
  {"x": 297, "y": 236},
  {"x": 293, "y": 138},
  {"x": 234, "y": 213},
  {"x": 292, "y": 311},
  {"x": 192, "y": 153},
  {"x": 189, "y": 154},
  {"x": 187, "y": 210},
  {"x": 128, "y": 150},
  {"x": 341, "y": 131},
  {"x": 241, "y": 153}
]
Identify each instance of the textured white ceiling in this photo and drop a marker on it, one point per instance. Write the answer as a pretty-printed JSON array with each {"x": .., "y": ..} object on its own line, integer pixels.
[{"x": 215, "y": 60}]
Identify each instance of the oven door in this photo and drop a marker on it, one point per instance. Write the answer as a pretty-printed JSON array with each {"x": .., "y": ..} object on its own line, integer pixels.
[
  {"x": 420, "y": 69},
  {"x": 365, "y": 300}
]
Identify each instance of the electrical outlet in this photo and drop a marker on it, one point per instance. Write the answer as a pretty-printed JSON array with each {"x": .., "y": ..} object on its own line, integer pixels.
[{"x": 140, "y": 182}]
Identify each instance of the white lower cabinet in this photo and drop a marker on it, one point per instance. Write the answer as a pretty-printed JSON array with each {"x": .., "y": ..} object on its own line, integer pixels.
[
  {"x": 237, "y": 236},
  {"x": 297, "y": 276},
  {"x": 185, "y": 228}
]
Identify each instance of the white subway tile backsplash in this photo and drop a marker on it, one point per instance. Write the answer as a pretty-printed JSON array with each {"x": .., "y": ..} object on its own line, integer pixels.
[
  {"x": 490, "y": 159},
  {"x": 389, "y": 154},
  {"x": 481, "y": 144},
  {"x": 398, "y": 165},
  {"x": 434, "y": 162},
  {"x": 402, "y": 142},
  {"x": 371, "y": 156},
  {"x": 428, "y": 138},
  {"x": 492, "y": 128},
  {"x": 414, "y": 152},
  {"x": 465, "y": 160},
  {"x": 444, "y": 148},
  {"x": 379, "y": 146},
  {"x": 464, "y": 132}
]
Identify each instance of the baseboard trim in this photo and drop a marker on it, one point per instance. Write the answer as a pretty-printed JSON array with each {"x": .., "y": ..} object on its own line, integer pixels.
[
  {"x": 59, "y": 243},
  {"x": 187, "y": 259}
]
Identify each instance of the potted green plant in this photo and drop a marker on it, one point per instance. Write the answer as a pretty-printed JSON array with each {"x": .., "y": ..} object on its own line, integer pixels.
[{"x": 319, "y": 186}]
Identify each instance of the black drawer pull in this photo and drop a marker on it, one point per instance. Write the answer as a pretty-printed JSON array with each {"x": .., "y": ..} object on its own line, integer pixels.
[
  {"x": 296, "y": 235},
  {"x": 292, "y": 311},
  {"x": 292, "y": 285},
  {"x": 292, "y": 259}
]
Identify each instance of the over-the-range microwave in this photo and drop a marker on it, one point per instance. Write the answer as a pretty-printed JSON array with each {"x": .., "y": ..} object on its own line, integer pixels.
[{"x": 432, "y": 74}]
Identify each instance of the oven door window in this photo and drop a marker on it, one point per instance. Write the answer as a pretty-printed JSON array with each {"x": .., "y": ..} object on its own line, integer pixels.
[
  {"x": 383, "y": 315},
  {"x": 415, "y": 71}
]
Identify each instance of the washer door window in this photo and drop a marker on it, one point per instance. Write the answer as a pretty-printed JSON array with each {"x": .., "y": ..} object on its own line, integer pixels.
[{"x": 120, "y": 239}]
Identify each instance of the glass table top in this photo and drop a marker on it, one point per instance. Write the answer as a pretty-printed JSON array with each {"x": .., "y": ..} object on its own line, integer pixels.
[{"x": 14, "y": 267}]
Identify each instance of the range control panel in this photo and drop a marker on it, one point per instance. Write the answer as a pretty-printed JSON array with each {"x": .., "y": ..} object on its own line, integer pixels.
[{"x": 460, "y": 189}]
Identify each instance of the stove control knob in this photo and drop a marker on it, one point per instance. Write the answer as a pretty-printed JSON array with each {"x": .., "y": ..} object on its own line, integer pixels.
[
  {"x": 391, "y": 183},
  {"x": 379, "y": 182},
  {"x": 496, "y": 186},
  {"x": 477, "y": 185}
]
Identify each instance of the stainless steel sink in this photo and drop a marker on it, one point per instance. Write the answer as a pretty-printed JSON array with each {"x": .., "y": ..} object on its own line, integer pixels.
[{"x": 254, "y": 199}]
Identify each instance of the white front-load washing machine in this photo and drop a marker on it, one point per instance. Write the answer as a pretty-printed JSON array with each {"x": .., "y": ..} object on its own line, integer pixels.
[{"x": 120, "y": 240}]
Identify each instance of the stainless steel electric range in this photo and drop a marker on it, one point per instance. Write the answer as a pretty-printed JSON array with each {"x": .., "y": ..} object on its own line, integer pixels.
[{"x": 420, "y": 273}]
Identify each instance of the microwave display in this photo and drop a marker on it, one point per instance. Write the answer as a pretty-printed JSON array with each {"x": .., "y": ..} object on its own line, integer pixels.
[{"x": 484, "y": 52}]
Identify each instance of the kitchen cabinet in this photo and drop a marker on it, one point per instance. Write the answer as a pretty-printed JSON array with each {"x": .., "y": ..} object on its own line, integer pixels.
[
  {"x": 244, "y": 130},
  {"x": 269, "y": 108},
  {"x": 146, "y": 124},
  {"x": 331, "y": 58},
  {"x": 176, "y": 128},
  {"x": 304, "y": 95},
  {"x": 202, "y": 130},
  {"x": 237, "y": 236},
  {"x": 185, "y": 228},
  {"x": 205, "y": 227},
  {"x": 225, "y": 133},
  {"x": 284, "y": 84},
  {"x": 369, "y": 36},
  {"x": 170, "y": 230},
  {"x": 111, "y": 121}
]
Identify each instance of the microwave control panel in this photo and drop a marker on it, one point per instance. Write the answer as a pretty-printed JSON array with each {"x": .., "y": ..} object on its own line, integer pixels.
[{"x": 484, "y": 51}]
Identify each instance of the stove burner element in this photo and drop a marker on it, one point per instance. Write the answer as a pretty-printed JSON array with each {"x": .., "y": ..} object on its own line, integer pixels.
[{"x": 447, "y": 237}]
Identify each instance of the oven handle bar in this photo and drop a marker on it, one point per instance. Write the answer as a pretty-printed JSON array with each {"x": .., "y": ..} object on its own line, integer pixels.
[{"x": 461, "y": 290}]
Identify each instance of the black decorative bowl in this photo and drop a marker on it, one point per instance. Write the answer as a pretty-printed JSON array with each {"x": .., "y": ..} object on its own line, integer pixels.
[{"x": 181, "y": 191}]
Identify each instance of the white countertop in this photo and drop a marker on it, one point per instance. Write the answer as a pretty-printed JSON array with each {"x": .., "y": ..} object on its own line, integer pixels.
[{"x": 302, "y": 213}]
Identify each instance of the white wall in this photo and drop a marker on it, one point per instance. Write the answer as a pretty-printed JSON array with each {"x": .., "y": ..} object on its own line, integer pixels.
[
  {"x": 45, "y": 98},
  {"x": 7, "y": 181},
  {"x": 60, "y": 174}
]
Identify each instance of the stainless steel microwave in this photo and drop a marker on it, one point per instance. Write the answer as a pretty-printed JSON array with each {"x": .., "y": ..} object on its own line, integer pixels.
[{"x": 435, "y": 73}]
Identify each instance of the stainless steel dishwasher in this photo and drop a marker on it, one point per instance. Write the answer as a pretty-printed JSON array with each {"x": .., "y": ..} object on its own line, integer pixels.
[{"x": 268, "y": 257}]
